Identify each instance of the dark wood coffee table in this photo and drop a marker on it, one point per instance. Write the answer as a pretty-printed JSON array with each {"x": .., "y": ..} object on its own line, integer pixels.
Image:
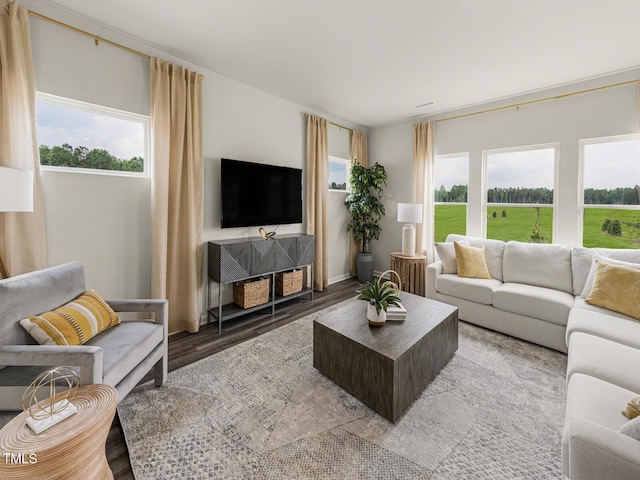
[{"x": 385, "y": 367}]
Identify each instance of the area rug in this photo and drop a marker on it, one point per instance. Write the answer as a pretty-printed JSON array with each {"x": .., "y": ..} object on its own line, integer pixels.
[{"x": 260, "y": 410}]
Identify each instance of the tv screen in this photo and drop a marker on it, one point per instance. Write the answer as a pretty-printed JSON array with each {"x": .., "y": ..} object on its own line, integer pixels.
[{"x": 255, "y": 194}]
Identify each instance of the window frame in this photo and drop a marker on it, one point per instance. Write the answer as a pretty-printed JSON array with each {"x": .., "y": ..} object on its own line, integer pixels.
[
  {"x": 347, "y": 164},
  {"x": 86, "y": 107},
  {"x": 466, "y": 204},
  {"x": 556, "y": 185},
  {"x": 581, "y": 171}
]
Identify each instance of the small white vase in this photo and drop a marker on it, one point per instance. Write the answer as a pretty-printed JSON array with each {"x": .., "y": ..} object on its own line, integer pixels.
[{"x": 375, "y": 318}]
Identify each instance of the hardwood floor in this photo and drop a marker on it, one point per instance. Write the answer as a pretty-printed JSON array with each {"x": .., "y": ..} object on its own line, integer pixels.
[{"x": 186, "y": 348}]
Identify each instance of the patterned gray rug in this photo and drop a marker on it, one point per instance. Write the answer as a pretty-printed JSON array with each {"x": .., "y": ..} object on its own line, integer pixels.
[{"x": 260, "y": 410}]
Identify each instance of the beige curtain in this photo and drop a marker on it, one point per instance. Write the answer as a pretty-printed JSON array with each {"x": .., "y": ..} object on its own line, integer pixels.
[
  {"x": 176, "y": 122},
  {"x": 317, "y": 192},
  {"x": 22, "y": 235},
  {"x": 423, "y": 185},
  {"x": 359, "y": 153}
]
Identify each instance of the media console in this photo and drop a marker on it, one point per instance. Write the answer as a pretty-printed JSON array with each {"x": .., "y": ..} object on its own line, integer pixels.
[{"x": 242, "y": 259}]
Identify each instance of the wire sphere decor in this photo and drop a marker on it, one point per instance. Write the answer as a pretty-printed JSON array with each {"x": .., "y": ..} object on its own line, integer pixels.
[{"x": 62, "y": 378}]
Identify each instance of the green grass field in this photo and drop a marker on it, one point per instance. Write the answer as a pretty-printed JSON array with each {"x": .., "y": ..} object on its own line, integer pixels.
[{"x": 519, "y": 221}]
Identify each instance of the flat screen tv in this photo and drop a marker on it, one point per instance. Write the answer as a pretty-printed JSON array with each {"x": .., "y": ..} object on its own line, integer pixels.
[{"x": 256, "y": 194}]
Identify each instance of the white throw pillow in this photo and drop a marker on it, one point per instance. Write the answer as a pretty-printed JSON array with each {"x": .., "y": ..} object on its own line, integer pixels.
[
  {"x": 631, "y": 428},
  {"x": 447, "y": 254},
  {"x": 588, "y": 284}
]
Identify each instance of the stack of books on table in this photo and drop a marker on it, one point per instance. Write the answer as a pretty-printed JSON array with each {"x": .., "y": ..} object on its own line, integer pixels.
[{"x": 396, "y": 314}]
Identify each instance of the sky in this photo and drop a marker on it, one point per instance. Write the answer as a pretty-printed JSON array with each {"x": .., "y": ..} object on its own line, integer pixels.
[
  {"x": 606, "y": 165},
  {"x": 124, "y": 139}
]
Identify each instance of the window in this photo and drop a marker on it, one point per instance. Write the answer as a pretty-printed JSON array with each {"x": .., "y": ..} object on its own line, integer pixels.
[
  {"x": 79, "y": 136},
  {"x": 339, "y": 174},
  {"x": 451, "y": 179},
  {"x": 519, "y": 187},
  {"x": 610, "y": 192}
]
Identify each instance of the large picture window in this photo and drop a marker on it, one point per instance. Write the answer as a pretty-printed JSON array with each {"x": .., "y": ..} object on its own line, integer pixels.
[
  {"x": 610, "y": 192},
  {"x": 79, "y": 136},
  {"x": 520, "y": 193},
  {"x": 451, "y": 180}
]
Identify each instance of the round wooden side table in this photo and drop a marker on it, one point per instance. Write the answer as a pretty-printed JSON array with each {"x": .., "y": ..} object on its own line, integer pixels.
[
  {"x": 411, "y": 270},
  {"x": 72, "y": 449}
]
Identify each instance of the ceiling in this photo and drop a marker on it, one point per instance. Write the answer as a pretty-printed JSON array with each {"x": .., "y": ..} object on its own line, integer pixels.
[{"x": 373, "y": 61}]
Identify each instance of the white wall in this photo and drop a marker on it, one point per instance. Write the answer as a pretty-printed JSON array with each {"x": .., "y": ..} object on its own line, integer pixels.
[
  {"x": 598, "y": 114},
  {"x": 104, "y": 221},
  {"x": 337, "y": 215}
]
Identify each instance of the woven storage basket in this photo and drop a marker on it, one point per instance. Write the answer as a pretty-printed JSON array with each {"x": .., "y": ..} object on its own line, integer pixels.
[
  {"x": 250, "y": 293},
  {"x": 289, "y": 282}
]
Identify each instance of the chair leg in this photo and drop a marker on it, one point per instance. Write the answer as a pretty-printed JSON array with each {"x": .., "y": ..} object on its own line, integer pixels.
[{"x": 160, "y": 372}]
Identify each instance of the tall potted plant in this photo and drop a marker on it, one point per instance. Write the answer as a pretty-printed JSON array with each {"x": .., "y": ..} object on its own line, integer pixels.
[{"x": 366, "y": 209}]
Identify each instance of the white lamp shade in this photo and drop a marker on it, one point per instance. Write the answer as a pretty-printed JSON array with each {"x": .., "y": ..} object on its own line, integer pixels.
[
  {"x": 16, "y": 190},
  {"x": 410, "y": 213}
]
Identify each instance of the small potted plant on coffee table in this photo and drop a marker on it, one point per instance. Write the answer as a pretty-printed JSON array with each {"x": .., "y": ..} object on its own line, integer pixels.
[{"x": 380, "y": 294}]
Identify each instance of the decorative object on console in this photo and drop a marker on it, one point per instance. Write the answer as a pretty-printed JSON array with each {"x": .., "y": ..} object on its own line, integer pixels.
[
  {"x": 409, "y": 213},
  {"x": 266, "y": 235},
  {"x": 380, "y": 295},
  {"x": 366, "y": 210},
  {"x": 55, "y": 408},
  {"x": 16, "y": 195}
]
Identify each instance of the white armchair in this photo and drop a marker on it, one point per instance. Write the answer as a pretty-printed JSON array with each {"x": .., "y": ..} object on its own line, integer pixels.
[{"x": 120, "y": 356}]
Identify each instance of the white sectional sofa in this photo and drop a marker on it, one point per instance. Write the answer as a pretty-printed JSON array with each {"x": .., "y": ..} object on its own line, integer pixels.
[{"x": 535, "y": 294}]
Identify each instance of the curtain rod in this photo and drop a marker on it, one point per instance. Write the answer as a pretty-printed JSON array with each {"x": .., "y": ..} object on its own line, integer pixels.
[
  {"x": 531, "y": 102},
  {"x": 335, "y": 124},
  {"x": 96, "y": 38}
]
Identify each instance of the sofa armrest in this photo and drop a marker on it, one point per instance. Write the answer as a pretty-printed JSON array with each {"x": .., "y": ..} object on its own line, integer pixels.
[
  {"x": 433, "y": 270},
  {"x": 88, "y": 358},
  {"x": 597, "y": 452},
  {"x": 160, "y": 308}
]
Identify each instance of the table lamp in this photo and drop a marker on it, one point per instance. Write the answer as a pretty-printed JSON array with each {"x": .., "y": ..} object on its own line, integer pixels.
[
  {"x": 409, "y": 213},
  {"x": 16, "y": 195}
]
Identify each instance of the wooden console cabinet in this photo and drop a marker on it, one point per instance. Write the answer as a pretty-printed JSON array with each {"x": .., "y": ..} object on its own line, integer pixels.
[{"x": 242, "y": 259}]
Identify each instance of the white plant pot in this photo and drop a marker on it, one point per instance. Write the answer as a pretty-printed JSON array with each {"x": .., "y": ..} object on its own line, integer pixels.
[{"x": 375, "y": 318}]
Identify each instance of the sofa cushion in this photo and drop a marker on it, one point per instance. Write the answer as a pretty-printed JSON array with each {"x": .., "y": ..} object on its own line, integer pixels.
[
  {"x": 473, "y": 289},
  {"x": 33, "y": 293},
  {"x": 543, "y": 265},
  {"x": 594, "y": 400},
  {"x": 538, "y": 302},
  {"x": 470, "y": 261},
  {"x": 447, "y": 255},
  {"x": 73, "y": 323},
  {"x": 631, "y": 429},
  {"x": 603, "y": 323},
  {"x": 493, "y": 252},
  {"x": 125, "y": 346},
  {"x": 616, "y": 288},
  {"x": 601, "y": 358},
  {"x": 580, "y": 266},
  {"x": 597, "y": 258}
]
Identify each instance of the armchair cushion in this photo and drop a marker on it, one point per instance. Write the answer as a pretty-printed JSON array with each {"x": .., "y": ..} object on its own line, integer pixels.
[{"x": 74, "y": 323}]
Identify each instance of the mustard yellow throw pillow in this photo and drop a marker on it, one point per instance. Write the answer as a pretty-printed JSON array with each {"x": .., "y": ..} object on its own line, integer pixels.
[
  {"x": 74, "y": 323},
  {"x": 617, "y": 288},
  {"x": 470, "y": 261}
]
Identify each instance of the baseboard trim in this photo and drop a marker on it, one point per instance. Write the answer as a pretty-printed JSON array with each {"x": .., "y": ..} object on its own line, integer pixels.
[{"x": 339, "y": 278}]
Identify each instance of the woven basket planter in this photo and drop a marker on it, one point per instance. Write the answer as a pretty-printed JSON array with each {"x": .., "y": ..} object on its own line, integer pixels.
[
  {"x": 250, "y": 293},
  {"x": 289, "y": 282}
]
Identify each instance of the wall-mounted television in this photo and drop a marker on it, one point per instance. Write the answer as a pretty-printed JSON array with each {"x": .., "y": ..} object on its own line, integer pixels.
[{"x": 256, "y": 194}]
